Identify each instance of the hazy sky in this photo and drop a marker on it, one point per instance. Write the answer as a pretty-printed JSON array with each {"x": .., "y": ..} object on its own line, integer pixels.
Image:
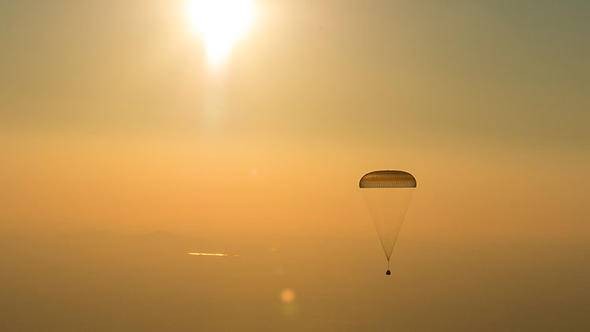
[{"x": 121, "y": 150}]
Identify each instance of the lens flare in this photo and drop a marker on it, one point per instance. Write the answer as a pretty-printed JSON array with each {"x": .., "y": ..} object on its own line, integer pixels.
[{"x": 287, "y": 296}]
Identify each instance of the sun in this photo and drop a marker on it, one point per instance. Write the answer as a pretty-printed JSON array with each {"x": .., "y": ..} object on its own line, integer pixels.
[{"x": 220, "y": 24}]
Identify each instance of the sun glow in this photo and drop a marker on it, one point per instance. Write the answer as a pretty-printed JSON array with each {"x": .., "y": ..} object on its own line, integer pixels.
[{"x": 221, "y": 24}]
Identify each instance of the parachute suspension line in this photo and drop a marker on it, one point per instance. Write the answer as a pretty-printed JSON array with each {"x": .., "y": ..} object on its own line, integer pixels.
[
  {"x": 383, "y": 246},
  {"x": 388, "y": 268}
]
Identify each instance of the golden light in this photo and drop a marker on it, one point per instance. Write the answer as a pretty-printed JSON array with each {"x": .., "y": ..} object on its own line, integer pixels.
[{"x": 221, "y": 24}]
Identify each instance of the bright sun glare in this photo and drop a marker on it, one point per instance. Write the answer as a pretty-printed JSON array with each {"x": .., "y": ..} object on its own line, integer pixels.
[{"x": 220, "y": 23}]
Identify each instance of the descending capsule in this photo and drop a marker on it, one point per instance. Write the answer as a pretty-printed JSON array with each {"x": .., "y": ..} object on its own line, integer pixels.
[{"x": 388, "y": 194}]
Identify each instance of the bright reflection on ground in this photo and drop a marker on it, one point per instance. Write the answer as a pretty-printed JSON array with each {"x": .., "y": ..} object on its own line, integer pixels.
[
  {"x": 220, "y": 24},
  {"x": 208, "y": 254}
]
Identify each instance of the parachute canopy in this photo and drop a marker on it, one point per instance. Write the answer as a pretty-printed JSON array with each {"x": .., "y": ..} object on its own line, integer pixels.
[{"x": 388, "y": 179}]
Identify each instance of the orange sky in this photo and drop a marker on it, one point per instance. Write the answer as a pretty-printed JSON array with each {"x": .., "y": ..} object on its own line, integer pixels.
[{"x": 112, "y": 126}]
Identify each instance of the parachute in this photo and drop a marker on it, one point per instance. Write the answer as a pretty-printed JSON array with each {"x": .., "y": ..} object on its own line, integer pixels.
[{"x": 388, "y": 195}]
